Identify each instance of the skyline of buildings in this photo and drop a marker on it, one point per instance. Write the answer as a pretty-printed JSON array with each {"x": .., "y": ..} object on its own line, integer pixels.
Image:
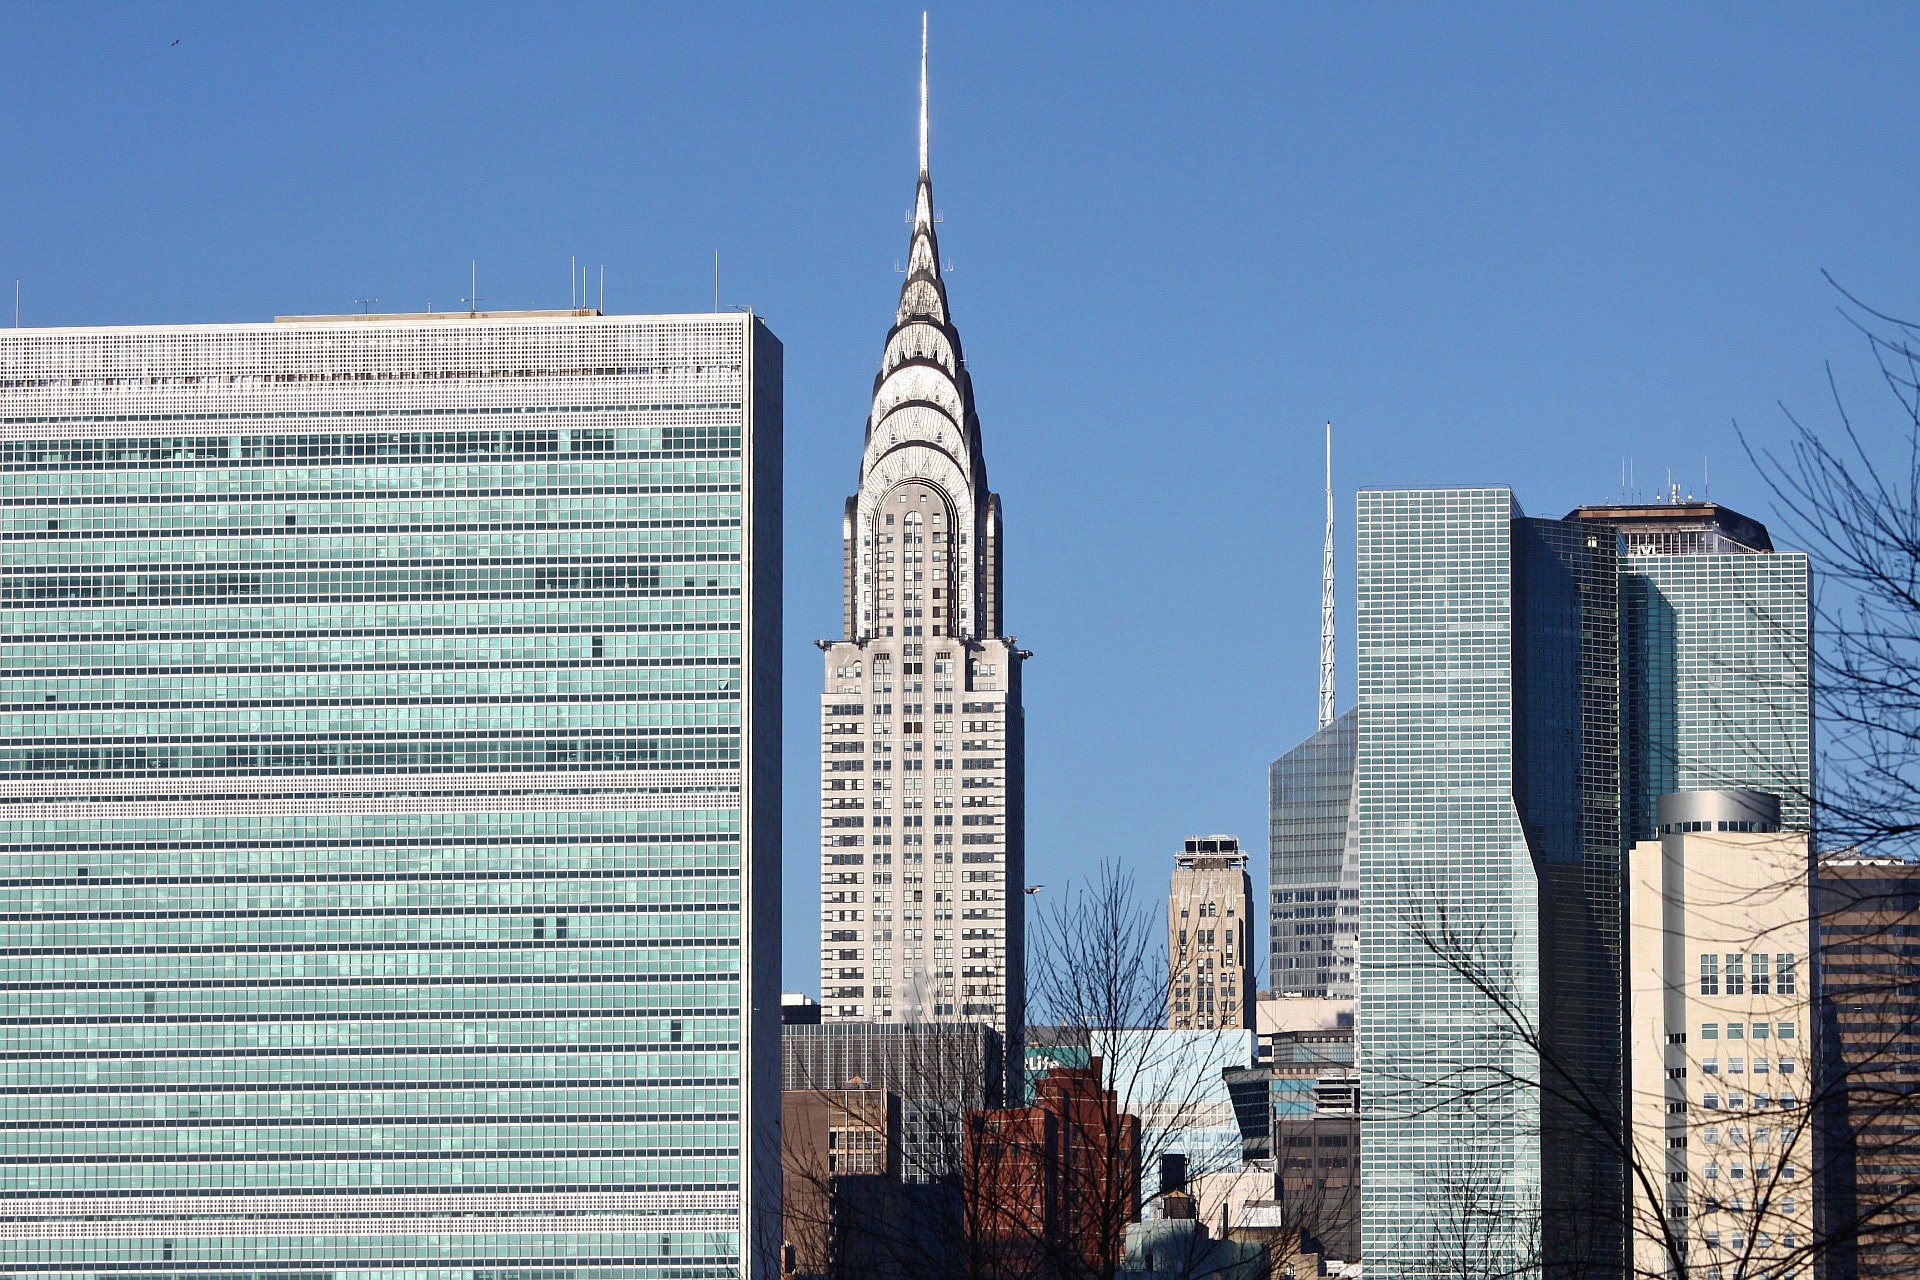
[
  {"x": 392, "y": 714},
  {"x": 421, "y": 760},
  {"x": 1521, "y": 681}
]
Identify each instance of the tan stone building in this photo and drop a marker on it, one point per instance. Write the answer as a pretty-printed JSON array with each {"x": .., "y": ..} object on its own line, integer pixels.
[
  {"x": 1719, "y": 1041},
  {"x": 1209, "y": 937}
]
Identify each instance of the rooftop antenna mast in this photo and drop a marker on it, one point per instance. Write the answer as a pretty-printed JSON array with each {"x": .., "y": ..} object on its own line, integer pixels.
[
  {"x": 1326, "y": 600},
  {"x": 367, "y": 305}
]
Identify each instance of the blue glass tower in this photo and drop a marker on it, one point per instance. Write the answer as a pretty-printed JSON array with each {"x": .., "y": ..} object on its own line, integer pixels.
[{"x": 1488, "y": 801}]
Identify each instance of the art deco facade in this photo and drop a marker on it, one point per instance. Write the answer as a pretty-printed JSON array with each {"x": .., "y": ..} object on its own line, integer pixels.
[
  {"x": 922, "y": 854},
  {"x": 1720, "y": 1041},
  {"x": 391, "y": 799},
  {"x": 1210, "y": 937}
]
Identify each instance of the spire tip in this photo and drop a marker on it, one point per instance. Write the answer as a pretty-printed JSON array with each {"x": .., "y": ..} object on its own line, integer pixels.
[{"x": 923, "y": 92}]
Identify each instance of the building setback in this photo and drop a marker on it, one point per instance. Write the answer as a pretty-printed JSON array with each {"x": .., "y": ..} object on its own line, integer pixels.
[
  {"x": 391, "y": 744},
  {"x": 922, "y": 858},
  {"x": 1868, "y": 923},
  {"x": 1210, "y": 937}
]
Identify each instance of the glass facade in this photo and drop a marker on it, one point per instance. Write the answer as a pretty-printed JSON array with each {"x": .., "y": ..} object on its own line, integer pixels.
[
  {"x": 1718, "y": 694},
  {"x": 391, "y": 732},
  {"x": 1487, "y": 792},
  {"x": 1314, "y": 922}
]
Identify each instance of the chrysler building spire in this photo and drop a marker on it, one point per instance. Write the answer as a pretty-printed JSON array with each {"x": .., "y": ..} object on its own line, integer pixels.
[
  {"x": 922, "y": 731},
  {"x": 923, "y": 94}
]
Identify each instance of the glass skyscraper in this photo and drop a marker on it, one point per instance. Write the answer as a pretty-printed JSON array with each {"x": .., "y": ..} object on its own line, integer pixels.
[
  {"x": 1487, "y": 783},
  {"x": 391, "y": 798},
  {"x": 1314, "y": 920},
  {"x": 1529, "y": 688}
]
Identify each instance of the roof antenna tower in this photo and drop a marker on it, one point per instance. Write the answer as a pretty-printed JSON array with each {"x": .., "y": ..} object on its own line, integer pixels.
[{"x": 1326, "y": 600}]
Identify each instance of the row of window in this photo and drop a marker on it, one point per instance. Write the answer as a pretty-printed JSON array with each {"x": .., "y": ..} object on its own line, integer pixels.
[{"x": 1748, "y": 973}]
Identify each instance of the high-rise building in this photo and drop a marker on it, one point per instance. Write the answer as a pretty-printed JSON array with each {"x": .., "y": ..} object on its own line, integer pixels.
[
  {"x": 1313, "y": 839},
  {"x": 1714, "y": 628},
  {"x": 1868, "y": 923},
  {"x": 392, "y": 731},
  {"x": 1529, "y": 688},
  {"x": 1487, "y": 777},
  {"x": 1720, "y": 1041},
  {"x": 1313, "y": 924},
  {"x": 1210, "y": 938},
  {"x": 922, "y": 850}
]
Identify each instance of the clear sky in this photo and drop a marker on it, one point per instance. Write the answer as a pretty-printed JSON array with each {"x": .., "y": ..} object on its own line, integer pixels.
[{"x": 1512, "y": 244}]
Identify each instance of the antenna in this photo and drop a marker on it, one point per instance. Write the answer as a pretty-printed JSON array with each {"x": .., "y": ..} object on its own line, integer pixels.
[
  {"x": 473, "y": 300},
  {"x": 1326, "y": 600},
  {"x": 16, "y": 304},
  {"x": 367, "y": 305},
  {"x": 573, "y": 282},
  {"x": 603, "y": 289},
  {"x": 1706, "y": 485},
  {"x": 716, "y": 280}
]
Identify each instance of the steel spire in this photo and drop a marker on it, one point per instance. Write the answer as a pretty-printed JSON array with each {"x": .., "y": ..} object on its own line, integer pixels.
[
  {"x": 1326, "y": 600},
  {"x": 923, "y": 92}
]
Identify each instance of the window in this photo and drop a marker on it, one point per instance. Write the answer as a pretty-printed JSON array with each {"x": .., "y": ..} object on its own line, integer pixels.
[
  {"x": 1709, "y": 975},
  {"x": 1709, "y": 1030},
  {"x": 1787, "y": 985},
  {"x": 1711, "y": 1101},
  {"x": 1761, "y": 980},
  {"x": 1736, "y": 974},
  {"x": 1709, "y": 1066}
]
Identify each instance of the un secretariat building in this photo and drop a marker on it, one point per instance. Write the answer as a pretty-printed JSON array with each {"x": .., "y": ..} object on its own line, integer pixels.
[{"x": 389, "y": 793}]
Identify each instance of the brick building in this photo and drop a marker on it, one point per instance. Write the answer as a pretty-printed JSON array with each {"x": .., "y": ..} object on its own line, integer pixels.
[{"x": 1051, "y": 1187}]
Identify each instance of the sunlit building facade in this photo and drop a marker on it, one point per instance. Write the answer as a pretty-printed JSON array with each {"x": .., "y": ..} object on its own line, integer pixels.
[
  {"x": 923, "y": 858},
  {"x": 391, "y": 801}
]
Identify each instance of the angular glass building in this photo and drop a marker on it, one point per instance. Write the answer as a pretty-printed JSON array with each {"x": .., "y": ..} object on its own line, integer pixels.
[
  {"x": 1314, "y": 912},
  {"x": 391, "y": 798},
  {"x": 1487, "y": 783}
]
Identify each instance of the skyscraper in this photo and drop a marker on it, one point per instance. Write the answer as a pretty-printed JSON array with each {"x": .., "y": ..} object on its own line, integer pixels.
[
  {"x": 1210, "y": 937},
  {"x": 1715, "y": 627},
  {"x": 1528, "y": 690},
  {"x": 1488, "y": 808},
  {"x": 1313, "y": 926},
  {"x": 922, "y": 849},
  {"x": 392, "y": 723},
  {"x": 1313, "y": 838}
]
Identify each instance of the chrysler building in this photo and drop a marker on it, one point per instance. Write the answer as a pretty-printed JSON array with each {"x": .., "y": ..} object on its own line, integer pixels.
[{"x": 922, "y": 855}]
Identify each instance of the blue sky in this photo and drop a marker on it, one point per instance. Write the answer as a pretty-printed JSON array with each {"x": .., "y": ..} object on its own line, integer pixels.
[{"x": 1511, "y": 244}]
